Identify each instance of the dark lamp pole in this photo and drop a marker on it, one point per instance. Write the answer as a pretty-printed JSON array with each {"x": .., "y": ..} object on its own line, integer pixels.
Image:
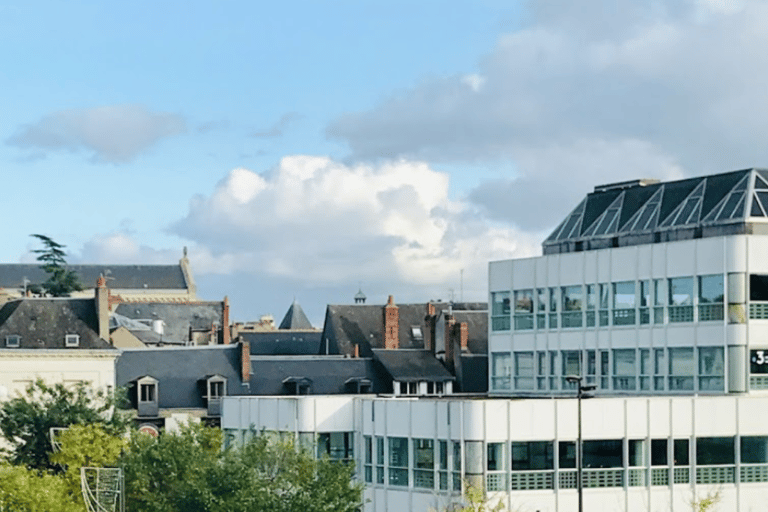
[{"x": 581, "y": 390}]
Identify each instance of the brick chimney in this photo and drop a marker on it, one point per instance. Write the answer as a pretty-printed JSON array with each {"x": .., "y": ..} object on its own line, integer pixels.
[
  {"x": 391, "y": 324},
  {"x": 225, "y": 334},
  {"x": 450, "y": 322},
  {"x": 431, "y": 322},
  {"x": 463, "y": 336},
  {"x": 101, "y": 297},
  {"x": 245, "y": 361}
]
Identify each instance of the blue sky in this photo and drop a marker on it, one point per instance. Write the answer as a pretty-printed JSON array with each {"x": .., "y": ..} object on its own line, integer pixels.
[{"x": 303, "y": 149}]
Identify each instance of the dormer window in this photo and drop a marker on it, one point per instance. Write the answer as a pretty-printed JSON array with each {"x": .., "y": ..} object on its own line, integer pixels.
[
  {"x": 416, "y": 333},
  {"x": 12, "y": 340},
  {"x": 72, "y": 340},
  {"x": 147, "y": 396},
  {"x": 216, "y": 389}
]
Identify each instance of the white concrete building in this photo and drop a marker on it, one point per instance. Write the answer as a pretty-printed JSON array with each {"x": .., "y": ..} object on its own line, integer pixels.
[{"x": 656, "y": 293}]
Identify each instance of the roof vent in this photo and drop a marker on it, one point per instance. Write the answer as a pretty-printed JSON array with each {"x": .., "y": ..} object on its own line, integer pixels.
[{"x": 620, "y": 185}]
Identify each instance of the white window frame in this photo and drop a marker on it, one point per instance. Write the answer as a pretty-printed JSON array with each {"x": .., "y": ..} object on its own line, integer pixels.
[
  {"x": 15, "y": 343},
  {"x": 71, "y": 340}
]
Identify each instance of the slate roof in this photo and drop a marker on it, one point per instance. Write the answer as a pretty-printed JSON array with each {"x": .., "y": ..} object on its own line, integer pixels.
[
  {"x": 412, "y": 365},
  {"x": 138, "y": 277},
  {"x": 283, "y": 343},
  {"x": 179, "y": 317},
  {"x": 477, "y": 329},
  {"x": 646, "y": 211},
  {"x": 179, "y": 371},
  {"x": 328, "y": 375},
  {"x": 347, "y": 325},
  {"x": 43, "y": 323},
  {"x": 295, "y": 318}
]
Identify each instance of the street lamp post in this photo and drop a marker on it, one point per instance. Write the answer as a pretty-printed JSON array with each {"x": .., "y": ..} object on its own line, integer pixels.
[{"x": 581, "y": 392}]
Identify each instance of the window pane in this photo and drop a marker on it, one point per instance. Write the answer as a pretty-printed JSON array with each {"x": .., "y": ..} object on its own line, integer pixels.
[
  {"x": 524, "y": 364},
  {"x": 754, "y": 450},
  {"x": 681, "y": 291},
  {"x": 681, "y": 361},
  {"x": 711, "y": 361},
  {"x": 571, "y": 363},
  {"x": 714, "y": 450},
  {"x": 572, "y": 298},
  {"x": 624, "y": 362},
  {"x": 624, "y": 295},
  {"x": 524, "y": 301},
  {"x": 567, "y": 454},
  {"x": 500, "y": 303},
  {"x": 603, "y": 454},
  {"x": 711, "y": 289},
  {"x": 495, "y": 457},
  {"x": 758, "y": 287},
  {"x": 658, "y": 452},
  {"x": 681, "y": 452},
  {"x": 532, "y": 456}
]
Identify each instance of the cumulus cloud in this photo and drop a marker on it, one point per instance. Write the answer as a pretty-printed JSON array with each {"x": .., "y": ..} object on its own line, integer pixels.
[
  {"x": 121, "y": 248},
  {"x": 113, "y": 134},
  {"x": 587, "y": 93},
  {"x": 319, "y": 221}
]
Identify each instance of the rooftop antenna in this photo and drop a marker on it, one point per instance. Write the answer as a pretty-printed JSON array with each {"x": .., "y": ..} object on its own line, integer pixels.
[
  {"x": 451, "y": 293},
  {"x": 461, "y": 288}
]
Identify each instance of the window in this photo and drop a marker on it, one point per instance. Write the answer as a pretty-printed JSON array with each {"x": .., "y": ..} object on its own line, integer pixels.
[
  {"x": 456, "y": 478},
  {"x": 147, "y": 392},
  {"x": 645, "y": 302},
  {"x": 497, "y": 478},
  {"x": 424, "y": 463},
  {"x": 681, "y": 452},
  {"x": 604, "y": 302},
  {"x": 711, "y": 369},
  {"x": 603, "y": 454},
  {"x": 754, "y": 450},
  {"x": 624, "y": 303},
  {"x": 541, "y": 369},
  {"x": 532, "y": 456},
  {"x": 571, "y": 366},
  {"x": 523, "y": 310},
  {"x": 658, "y": 301},
  {"x": 711, "y": 298},
  {"x": 398, "y": 461},
  {"x": 553, "y": 299},
  {"x": 71, "y": 340},
  {"x": 416, "y": 333},
  {"x": 541, "y": 308},
  {"x": 624, "y": 369},
  {"x": 712, "y": 451},
  {"x": 368, "y": 458},
  {"x": 13, "y": 340},
  {"x": 658, "y": 369},
  {"x": 681, "y": 369},
  {"x": 552, "y": 370},
  {"x": 645, "y": 369},
  {"x": 591, "y": 305},
  {"x": 217, "y": 388},
  {"x": 681, "y": 299},
  {"x": 500, "y": 311},
  {"x": 335, "y": 445},
  {"x": 379, "y": 460},
  {"x": 501, "y": 371},
  {"x": 659, "y": 452},
  {"x": 604, "y": 369},
  {"x": 567, "y": 454},
  {"x": 573, "y": 303},
  {"x": 442, "y": 451},
  {"x": 524, "y": 370}
]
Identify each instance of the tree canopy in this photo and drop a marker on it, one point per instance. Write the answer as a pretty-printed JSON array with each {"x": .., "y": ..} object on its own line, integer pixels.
[
  {"x": 25, "y": 421},
  {"x": 61, "y": 281}
]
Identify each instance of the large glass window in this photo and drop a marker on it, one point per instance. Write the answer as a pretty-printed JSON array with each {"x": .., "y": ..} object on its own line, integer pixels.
[
  {"x": 604, "y": 369},
  {"x": 424, "y": 463},
  {"x": 524, "y": 370},
  {"x": 571, "y": 366},
  {"x": 541, "y": 370},
  {"x": 532, "y": 456},
  {"x": 573, "y": 304},
  {"x": 541, "y": 308},
  {"x": 456, "y": 479},
  {"x": 523, "y": 309},
  {"x": 603, "y": 454},
  {"x": 566, "y": 454},
  {"x": 398, "y": 461},
  {"x": 500, "y": 311},
  {"x": 624, "y": 369},
  {"x": 681, "y": 452},
  {"x": 442, "y": 449},
  {"x": 659, "y": 452},
  {"x": 604, "y": 304},
  {"x": 591, "y": 305},
  {"x": 495, "y": 460},
  {"x": 552, "y": 370},
  {"x": 711, "y": 369},
  {"x": 711, "y": 298},
  {"x": 553, "y": 300},
  {"x": 681, "y": 299},
  {"x": 754, "y": 450},
  {"x": 624, "y": 303},
  {"x": 758, "y": 288},
  {"x": 501, "y": 370},
  {"x": 659, "y": 293},
  {"x": 681, "y": 369},
  {"x": 658, "y": 369},
  {"x": 380, "y": 460},
  {"x": 712, "y": 451},
  {"x": 368, "y": 458},
  {"x": 645, "y": 302},
  {"x": 645, "y": 369},
  {"x": 336, "y": 445}
]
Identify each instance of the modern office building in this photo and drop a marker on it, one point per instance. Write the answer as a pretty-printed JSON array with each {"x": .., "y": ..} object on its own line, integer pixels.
[{"x": 657, "y": 294}]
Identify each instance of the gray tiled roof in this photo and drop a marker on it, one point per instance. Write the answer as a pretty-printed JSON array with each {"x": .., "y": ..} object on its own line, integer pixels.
[
  {"x": 328, "y": 375},
  {"x": 295, "y": 318},
  {"x": 43, "y": 323},
  {"x": 646, "y": 211},
  {"x": 283, "y": 343},
  {"x": 412, "y": 365},
  {"x": 347, "y": 325},
  {"x": 178, "y": 317},
  {"x": 136, "y": 277}
]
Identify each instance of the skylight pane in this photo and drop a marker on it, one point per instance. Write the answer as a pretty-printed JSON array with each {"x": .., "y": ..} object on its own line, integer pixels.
[
  {"x": 610, "y": 215},
  {"x": 688, "y": 207},
  {"x": 729, "y": 207},
  {"x": 757, "y": 209},
  {"x": 739, "y": 210},
  {"x": 760, "y": 184}
]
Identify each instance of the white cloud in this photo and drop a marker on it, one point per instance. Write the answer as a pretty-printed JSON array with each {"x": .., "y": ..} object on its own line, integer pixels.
[
  {"x": 319, "y": 221},
  {"x": 121, "y": 248},
  {"x": 590, "y": 92},
  {"x": 114, "y": 134}
]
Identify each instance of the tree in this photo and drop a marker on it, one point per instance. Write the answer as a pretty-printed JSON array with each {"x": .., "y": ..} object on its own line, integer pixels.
[
  {"x": 24, "y": 490},
  {"x": 61, "y": 281},
  {"x": 189, "y": 471},
  {"x": 25, "y": 421}
]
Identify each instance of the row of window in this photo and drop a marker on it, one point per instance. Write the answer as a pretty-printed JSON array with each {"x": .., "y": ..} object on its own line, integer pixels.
[
  {"x": 645, "y": 369},
  {"x": 672, "y": 300},
  {"x": 14, "y": 340}
]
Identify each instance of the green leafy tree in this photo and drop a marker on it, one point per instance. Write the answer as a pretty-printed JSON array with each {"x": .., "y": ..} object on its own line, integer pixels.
[
  {"x": 61, "y": 281},
  {"x": 24, "y": 490},
  {"x": 25, "y": 421},
  {"x": 189, "y": 471}
]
